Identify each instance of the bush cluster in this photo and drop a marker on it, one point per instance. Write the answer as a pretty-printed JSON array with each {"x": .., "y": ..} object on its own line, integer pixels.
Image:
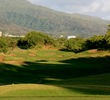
[
  {"x": 100, "y": 42},
  {"x": 33, "y": 39},
  {"x": 7, "y": 44}
]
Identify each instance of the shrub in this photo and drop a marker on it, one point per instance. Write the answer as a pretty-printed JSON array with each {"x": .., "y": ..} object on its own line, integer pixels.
[
  {"x": 75, "y": 45},
  {"x": 96, "y": 42},
  {"x": 33, "y": 39},
  {"x": 4, "y": 45}
]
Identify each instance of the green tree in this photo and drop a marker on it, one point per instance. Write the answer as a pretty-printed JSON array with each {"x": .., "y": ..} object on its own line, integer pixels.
[
  {"x": 12, "y": 44},
  {"x": 107, "y": 38},
  {"x": 3, "y": 45},
  {"x": 49, "y": 40},
  {"x": 75, "y": 45},
  {"x": 33, "y": 39},
  {"x": 29, "y": 41},
  {"x": 61, "y": 42},
  {"x": 96, "y": 42},
  {"x": 108, "y": 30}
]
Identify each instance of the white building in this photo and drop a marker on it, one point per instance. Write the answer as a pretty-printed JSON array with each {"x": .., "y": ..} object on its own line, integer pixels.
[
  {"x": 71, "y": 37},
  {"x": 14, "y": 36},
  {"x": 0, "y": 33},
  {"x": 61, "y": 36}
]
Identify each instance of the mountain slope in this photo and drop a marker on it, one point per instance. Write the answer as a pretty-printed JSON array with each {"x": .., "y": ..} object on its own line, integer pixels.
[{"x": 23, "y": 16}]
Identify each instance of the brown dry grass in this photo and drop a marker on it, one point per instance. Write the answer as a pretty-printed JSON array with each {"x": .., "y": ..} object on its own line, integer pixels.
[
  {"x": 48, "y": 47},
  {"x": 33, "y": 55},
  {"x": 93, "y": 50},
  {"x": 1, "y": 58},
  {"x": 14, "y": 62}
]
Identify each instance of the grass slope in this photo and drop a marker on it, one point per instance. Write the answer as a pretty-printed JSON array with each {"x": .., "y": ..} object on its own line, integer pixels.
[{"x": 55, "y": 73}]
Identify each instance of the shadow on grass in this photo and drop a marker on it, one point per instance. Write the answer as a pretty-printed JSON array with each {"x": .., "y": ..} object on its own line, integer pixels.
[{"x": 37, "y": 72}]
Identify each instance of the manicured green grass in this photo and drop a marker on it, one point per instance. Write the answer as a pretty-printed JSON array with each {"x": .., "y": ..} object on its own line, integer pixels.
[
  {"x": 31, "y": 73},
  {"x": 56, "y": 98},
  {"x": 35, "y": 90}
]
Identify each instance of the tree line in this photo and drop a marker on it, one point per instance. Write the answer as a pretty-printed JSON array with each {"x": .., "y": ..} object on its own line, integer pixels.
[
  {"x": 100, "y": 42},
  {"x": 38, "y": 39}
]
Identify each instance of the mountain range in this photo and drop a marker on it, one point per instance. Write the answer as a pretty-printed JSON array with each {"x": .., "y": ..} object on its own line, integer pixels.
[{"x": 20, "y": 16}]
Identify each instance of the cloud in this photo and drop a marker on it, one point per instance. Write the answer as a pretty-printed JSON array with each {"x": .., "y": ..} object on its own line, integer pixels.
[
  {"x": 100, "y": 8},
  {"x": 93, "y": 7}
]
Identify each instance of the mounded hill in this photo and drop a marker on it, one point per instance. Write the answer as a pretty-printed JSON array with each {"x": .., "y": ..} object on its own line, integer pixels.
[{"x": 20, "y": 16}]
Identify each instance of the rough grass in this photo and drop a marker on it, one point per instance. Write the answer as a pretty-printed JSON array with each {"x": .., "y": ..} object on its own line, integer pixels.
[{"x": 31, "y": 73}]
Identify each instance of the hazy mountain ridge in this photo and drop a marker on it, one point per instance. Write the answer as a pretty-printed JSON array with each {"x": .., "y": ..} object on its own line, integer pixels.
[{"x": 20, "y": 16}]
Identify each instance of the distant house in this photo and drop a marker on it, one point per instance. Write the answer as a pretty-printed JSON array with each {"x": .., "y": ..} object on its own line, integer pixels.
[
  {"x": 13, "y": 36},
  {"x": 61, "y": 36},
  {"x": 6, "y": 34},
  {"x": 71, "y": 37},
  {"x": 0, "y": 33},
  {"x": 9, "y": 35}
]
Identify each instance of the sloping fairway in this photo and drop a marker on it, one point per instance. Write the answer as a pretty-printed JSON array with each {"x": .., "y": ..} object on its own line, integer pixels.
[{"x": 52, "y": 74}]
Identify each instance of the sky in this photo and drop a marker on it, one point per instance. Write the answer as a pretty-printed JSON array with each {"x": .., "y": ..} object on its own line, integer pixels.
[{"x": 98, "y": 8}]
